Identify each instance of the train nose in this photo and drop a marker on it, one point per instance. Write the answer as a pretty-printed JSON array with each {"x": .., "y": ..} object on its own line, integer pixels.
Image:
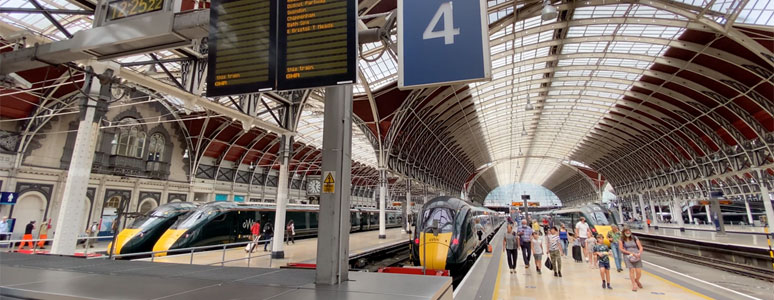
[
  {"x": 123, "y": 237},
  {"x": 166, "y": 241},
  {"x": 434, "y": 250}
]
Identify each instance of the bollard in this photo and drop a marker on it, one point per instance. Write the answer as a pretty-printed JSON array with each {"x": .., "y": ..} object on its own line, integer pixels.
[{"x": 223, "y": 258}]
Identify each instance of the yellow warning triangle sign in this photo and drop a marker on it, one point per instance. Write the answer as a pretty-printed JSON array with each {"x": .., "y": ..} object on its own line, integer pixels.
[{"x": 329, "y": 179}]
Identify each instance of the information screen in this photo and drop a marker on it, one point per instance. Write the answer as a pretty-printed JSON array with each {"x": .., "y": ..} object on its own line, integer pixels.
[
  {"x": 241, "y": 47},
  {"x": 316, "y": 43},
  {"x": 126, "y": 8}
]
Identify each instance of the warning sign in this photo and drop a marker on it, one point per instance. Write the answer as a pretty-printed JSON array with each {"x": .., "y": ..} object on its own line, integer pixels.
[{"x": 329, "y": 184}]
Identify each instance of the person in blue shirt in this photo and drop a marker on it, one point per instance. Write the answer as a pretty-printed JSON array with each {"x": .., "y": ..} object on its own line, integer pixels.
[{"x": 525, "y": 235}]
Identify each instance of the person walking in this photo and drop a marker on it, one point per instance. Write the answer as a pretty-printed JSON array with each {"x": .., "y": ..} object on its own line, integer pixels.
[
  {"x": 614, "y": 235},
  {"x": 43, "y": 234},
  {"x": 91, "y": 233},
  {"x": 591, "y": 242},
  {"x": 290, "y": 232},
  {"x": 268, "y": 234},
  {"x": 554, "y": 246},
  {"x": 5, "y": 228},
  {"x": 537, "y": 251},
  {"x": 582, "y": 233},
  {"x": 479, "y": 229},
  {"x": 27, "y": 238},
  {"x": 602, "y": 253},
  {"x": 535, "y": 226},
  {"x": 510, "y": 242},
  {"x": 525, "y": 234},
  {"x": 564, "y": 239},
  {"x": 631, "y": 247}
]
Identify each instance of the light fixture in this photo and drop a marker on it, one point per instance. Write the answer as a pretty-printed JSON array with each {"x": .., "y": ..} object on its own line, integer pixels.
[
  {"x": 549, "y": 11},
  {"x": 528, "y": 106},
  {"x": 523, "y": 129}
]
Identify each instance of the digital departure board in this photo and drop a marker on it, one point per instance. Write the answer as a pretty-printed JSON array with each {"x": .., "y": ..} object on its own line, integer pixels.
[
  {"x": 316, "y": 45},
  {"x": 126, "y": 8},
  {"x": 241, "y": 56}
]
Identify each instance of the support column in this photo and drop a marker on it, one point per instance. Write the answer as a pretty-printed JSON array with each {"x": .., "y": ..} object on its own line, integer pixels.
[
  {"x": 70, "y": 219},
  {"x": 334, "y": 224},
  {"x": 382, "y": 203},
  {"x": 709, "y": 213},
  {"x": 677, "y": 213},
  {"x": 653, "y": 212},
  {"x": 642, "y": 210},
  {"x": 277, "y": 245},
  {"x": 690, "y": 210},
  {"x": 408, "y": 206},
  {"x": 660, "y": 211},
  {"x": 620, "y": 211},
  {"x": 747, "y": 209},
  {"x": 766, "y": 197}
]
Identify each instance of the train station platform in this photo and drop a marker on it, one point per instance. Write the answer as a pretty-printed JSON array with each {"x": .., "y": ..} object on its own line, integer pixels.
[
  {"x": 56, "y": 277},
  {"x": 303, "y": 251},
  {"x": 711, "y": 237}
]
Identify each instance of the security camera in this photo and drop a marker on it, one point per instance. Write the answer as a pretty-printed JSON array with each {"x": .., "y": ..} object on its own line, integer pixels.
[{"x": 13, "y": 80}]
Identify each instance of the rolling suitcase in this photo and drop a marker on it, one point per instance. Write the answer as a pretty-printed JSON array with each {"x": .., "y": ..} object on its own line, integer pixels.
[
  {"x": 576, "y": 253},
  {"x": 250, "y": 247}
]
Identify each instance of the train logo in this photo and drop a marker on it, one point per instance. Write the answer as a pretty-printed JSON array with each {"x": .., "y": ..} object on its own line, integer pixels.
[{"x": 248, "y": 223}]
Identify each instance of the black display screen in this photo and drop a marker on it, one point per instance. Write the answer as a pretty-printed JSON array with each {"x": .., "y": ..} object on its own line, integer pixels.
[
  {"x": 316, "y": 43},
  {"x": 241, "y": 56},
  {"x": 126, "y": 8}
]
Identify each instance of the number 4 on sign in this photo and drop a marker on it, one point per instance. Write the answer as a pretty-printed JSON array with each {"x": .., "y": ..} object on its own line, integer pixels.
[{"x": 448, "y": 32}]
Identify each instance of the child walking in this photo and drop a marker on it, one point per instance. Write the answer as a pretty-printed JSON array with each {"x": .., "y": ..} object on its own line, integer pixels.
[
  {"x": 602, "y": 252},
  {"x": 537, "y": 251}
]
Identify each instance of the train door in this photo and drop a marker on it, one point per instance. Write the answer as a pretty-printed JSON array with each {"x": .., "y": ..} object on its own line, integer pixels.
[{"x": 219, "y": 229}]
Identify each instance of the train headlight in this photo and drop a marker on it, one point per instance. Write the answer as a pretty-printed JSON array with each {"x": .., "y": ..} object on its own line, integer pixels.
[
  {"x": 416, "y": 241},
  {"x": 455, "y": 241}
]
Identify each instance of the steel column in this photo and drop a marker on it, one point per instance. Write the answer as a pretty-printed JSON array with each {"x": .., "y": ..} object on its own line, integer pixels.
[
  {"x": 653, "y": 212},
  {"x": 749, "y": 213},
  {"x": 277, "y": 247},
  {"x": 766, "y": 197},
  {"x": 70, "y": 219},
  {"x": 382, "y": 203},
  {"x": 677, "y": 212},
  {"x": 642, "y": 209},
  {"x": 334, "y": 224}
]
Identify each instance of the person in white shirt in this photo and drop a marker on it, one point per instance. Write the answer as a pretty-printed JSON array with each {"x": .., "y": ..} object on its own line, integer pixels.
[
  {"x": 582, "y": 233},
  {"x": 4, "y": 228}
]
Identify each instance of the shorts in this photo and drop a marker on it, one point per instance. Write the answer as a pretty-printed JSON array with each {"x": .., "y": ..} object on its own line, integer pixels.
[
  {"x": 538, "y": 257},
  {"x": 604, "y": 264},
  {"x": 582, "y": 242}
]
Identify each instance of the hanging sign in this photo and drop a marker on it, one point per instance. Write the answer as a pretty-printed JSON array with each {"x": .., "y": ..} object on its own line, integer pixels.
[{"x": 329, "y": 183}]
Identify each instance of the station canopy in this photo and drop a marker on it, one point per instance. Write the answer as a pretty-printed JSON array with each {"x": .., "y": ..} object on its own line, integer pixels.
[{"x": 609, "y": 91}]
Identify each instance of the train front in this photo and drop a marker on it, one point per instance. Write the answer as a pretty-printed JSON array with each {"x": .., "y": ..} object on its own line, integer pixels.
[
  {"x": 146, "y": 230},
  {"x": 436, "y": 240},
  {"x": 187, "y": 232}
]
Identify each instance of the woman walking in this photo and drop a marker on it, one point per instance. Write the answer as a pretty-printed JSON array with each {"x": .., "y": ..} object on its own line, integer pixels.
[
  {"x": 631, "y": 247},
  {"x": 555, "y": 248},
  {"x": 564, "y": 239},
  {"x": 614, "y": 235},
  {"x": 537, "y": 251},
  {"x": 510, "y": 246}
]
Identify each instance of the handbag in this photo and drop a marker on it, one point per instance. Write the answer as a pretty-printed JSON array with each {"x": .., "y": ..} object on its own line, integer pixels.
[
  {"x": 633, "y": 258},
  {"x": 549, "y": 265}
]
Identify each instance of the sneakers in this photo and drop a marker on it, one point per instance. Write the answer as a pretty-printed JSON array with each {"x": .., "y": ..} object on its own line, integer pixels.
[
  {"x": 560, "y": 274},
  {"x": 526, "y": 267},
  {"x": 603, "y": 284},
  {"x": 538, "y": 270},
  {"x": 556, "y": 274},
  {"x": 609, "y": 287}
]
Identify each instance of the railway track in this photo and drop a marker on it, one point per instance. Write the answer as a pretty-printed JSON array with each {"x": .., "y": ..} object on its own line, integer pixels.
[{"x": 733, "y": 267}]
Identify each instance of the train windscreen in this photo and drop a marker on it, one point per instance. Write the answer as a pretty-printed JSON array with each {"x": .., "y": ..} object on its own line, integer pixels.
[
  {"x": 599, "y": 218},
  {"x": 195, "y": 217},
  {"x": 444, "y": 216},
  {"x": 154, "y": 217}
]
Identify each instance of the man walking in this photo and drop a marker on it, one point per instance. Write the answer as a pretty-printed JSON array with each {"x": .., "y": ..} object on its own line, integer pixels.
[
  {"x": 582, "y": 233},
  {"x": 27, "y": 238},
  {"x": 525, "y": 235}
]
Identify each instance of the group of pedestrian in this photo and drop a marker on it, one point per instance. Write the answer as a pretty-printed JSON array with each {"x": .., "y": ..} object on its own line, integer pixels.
[
  {"x": 587, "y": 244},
  {"x": 268, "y": 234}
]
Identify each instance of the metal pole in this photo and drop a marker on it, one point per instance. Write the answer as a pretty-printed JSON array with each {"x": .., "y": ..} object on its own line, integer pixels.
[
  {"x": 766, "y": 197},
  {"x": 190, "y": 262},
  {"x": 282, "y": 197},
  {"x": 642, "y": 211},
  {"x": 382, "y": 203},
  {"x": 223, "y": 257},
  {"x": 334, "y": 224}
]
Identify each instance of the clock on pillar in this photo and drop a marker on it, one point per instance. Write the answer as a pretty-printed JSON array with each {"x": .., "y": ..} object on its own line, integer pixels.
[{"x": 313, "y": 187}]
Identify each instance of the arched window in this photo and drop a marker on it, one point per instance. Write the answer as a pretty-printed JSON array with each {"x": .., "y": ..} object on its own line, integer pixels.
[
  {"x": 129, "y": 139},
  {"x": 156, "y": 147},
  {"x": 147, "y": 205}
]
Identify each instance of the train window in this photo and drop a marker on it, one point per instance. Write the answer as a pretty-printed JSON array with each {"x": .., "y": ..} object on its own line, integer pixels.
[
  {"x": 444, "y": 216},
  {"x": 598, "y": 218},
  {"x": 221, "y": 218}
]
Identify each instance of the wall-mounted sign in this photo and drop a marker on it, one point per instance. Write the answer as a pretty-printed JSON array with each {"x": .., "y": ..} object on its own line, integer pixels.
[
  {"x": 517, "y": 204},
  {"x": 8, "y": 198},
  {"x": 329, "y": 182},
  {"x": 241, "y": 47}
]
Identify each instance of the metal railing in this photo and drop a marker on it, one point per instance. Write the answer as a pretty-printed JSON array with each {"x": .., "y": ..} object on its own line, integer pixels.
[
  {"x": 35, "y": 247},
  {"x": 192, "y": 250}
]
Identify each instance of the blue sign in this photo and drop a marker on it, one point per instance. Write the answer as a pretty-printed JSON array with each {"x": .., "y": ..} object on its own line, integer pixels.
[
  {"x": 442, "y": 42},
  {"x": 8, "y": 197},
  {"x": 221, "y": 197},
  {"x": 238, "y": 198}
]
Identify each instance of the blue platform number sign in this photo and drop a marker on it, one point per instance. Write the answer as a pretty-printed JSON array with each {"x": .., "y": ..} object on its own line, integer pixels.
[
  {"x": 442, "y": 42},
  {"x": 221, "y": 197},
  {"x": 8, "y": 197}
]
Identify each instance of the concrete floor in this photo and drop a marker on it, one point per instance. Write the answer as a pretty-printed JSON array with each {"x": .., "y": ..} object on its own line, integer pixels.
[{"x": 755, "y": 240}]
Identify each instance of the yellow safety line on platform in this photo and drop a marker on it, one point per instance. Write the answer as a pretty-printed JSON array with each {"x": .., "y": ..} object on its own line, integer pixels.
[
  {"x": 497, "y": 282},
  {"x": 677, "y": 285}
]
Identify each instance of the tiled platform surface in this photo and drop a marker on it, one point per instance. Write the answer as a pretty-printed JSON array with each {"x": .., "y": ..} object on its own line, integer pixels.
[{"x": 53, "y": 277}]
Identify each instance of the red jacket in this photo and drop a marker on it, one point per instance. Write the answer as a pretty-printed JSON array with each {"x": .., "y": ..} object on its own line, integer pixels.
[{"x": 256, "y": 228}]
